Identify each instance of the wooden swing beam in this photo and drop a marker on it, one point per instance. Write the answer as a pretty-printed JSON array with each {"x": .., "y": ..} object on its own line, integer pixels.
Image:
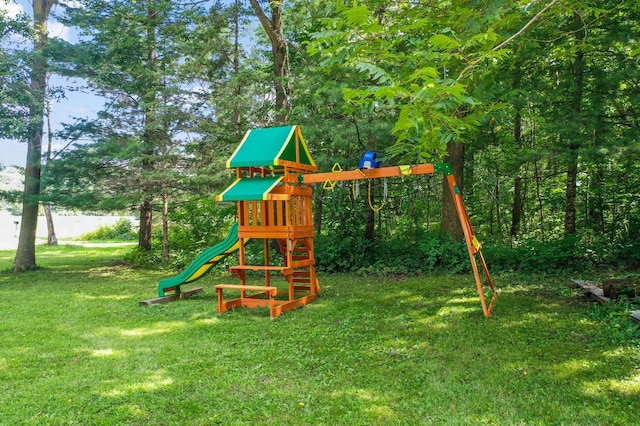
[
  {"x": 419, "y": 169},
  {"x": 473, "y": 245}
]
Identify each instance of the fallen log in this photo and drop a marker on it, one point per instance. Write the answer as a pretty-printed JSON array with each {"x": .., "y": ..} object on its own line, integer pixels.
[
  {"x": 614, "y": 288},
  {"x": 594, "y": 291}
]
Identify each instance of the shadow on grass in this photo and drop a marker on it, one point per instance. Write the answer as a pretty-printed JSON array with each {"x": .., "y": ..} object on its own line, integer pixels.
[{"x": 369, "y": 350}]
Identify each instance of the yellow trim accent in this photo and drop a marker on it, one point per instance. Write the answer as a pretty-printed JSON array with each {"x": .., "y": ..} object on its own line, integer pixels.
[
  {"x": 303, "y": 143},
  {"x": 284, "y": 146},
  {"x": 476, "y": 243},
  {"x": 211, "y": 263},
  {"x": 246, "y": 135},
  {"x": 405, "y": 170},
  {"x": 265, "y": 194},
  {"x": 201, "y": 271},
  {"x": 220, "y": 196}
]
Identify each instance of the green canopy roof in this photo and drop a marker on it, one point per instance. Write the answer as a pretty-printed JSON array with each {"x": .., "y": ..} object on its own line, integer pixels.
[
  {"x": 250, "y": 189},
  {"x": 270, "y": 147}
]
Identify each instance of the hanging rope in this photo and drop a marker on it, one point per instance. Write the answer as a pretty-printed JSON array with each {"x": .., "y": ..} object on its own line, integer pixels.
[{"x": 384, "y": 198}]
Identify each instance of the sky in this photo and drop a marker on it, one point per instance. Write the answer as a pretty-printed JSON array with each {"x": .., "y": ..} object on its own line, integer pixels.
[{"x": 76, "y": 104}]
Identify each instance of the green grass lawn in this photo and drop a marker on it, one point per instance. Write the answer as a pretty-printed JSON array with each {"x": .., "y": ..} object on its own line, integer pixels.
[{"x": 77, "y": 349}]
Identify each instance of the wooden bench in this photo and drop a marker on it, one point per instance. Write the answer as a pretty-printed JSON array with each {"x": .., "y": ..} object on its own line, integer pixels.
[{"x": 248, "y": 301}]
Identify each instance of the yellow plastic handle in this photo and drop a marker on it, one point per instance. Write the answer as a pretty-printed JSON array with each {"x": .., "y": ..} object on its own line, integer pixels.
[{"x": 329, "y": 184}]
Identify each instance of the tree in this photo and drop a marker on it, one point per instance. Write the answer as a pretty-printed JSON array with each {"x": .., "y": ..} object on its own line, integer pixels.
[
  {"x": 583, "y": 58},
  {"x": 52, "y": 240},
  {"x": 164, "y": 69},
  {"x": 419, "y": 60},
  {"x": 14, "y": 76},
  {"x": 131, "y": 57},
  {"x": 26, "y": 253},
  {"x": 274, "y": 30}
]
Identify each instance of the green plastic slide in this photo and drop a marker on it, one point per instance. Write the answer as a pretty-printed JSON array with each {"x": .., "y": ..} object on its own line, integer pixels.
[{"x": 203, "y": 263}]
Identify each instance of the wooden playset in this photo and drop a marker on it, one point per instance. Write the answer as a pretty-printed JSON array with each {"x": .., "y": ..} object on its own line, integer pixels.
[
  {"x": 274, "y": 173},
  {"x": 273, "y": 204}
]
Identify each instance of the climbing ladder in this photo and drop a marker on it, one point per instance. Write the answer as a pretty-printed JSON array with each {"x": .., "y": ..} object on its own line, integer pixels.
[
  {"x": 300, "y": 257},
  {"x": 298, "y": 270}
]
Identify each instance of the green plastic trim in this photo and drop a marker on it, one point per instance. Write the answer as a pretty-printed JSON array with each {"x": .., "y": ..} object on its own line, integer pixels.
[{"x": 443, "y": 168}]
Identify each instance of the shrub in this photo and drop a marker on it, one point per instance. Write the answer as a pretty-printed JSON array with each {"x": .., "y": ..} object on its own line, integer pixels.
[
  {"x": 423, "y": 253},
  {"x": 341, "y": 253},
  {"x": 531, "y": 256},
  {"x": 121, "y": 230},
  {"x": 199, "y": 224}
]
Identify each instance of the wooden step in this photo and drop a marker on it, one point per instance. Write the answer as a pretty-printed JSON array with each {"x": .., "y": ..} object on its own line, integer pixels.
[
  {"x": 259, "y": 268},
  {"x": 302, "y": 263},
  {"x": 271, "y": 290},
  {"x": 285, "y": 270}
]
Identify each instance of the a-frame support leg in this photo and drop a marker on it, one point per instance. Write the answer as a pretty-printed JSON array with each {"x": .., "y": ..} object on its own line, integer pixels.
[{"x": 473, "y": 246}]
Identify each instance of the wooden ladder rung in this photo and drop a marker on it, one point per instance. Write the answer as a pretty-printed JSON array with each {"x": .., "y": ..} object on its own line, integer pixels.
[
  {"x": 302, "y": 263},
  {"x": 282, "y": 269}
]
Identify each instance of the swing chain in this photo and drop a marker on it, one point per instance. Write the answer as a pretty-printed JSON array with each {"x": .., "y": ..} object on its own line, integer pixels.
[
  {"x": 356, "y": 189},
  {"x": 384, "y": 197}
]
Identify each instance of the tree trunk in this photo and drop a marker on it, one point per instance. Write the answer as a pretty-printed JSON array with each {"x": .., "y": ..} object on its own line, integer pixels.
[
  {"x": 496, "y": 197},
  {"x": 52, "y": 240},
  {"x": 279, "y": 48},
  {"x": 570, "y": 198},
  {"x": 596, "y": 192},
  {"x": 539, "y": 197},
  {"x": 151, "y": 134},
  {"x": 516, "y": 209},
  {"x": 518, "y": 199},
  {"x": 165, "y": 226},
  {"x": 26, "y": 252},
  {"x": 144, "y": 233},
  {"x": 576, "y": 104},
  {"x": 450, "y": 223},
  {"x": 516, "y": 213},
  {"x": 237, "y": 112}
]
